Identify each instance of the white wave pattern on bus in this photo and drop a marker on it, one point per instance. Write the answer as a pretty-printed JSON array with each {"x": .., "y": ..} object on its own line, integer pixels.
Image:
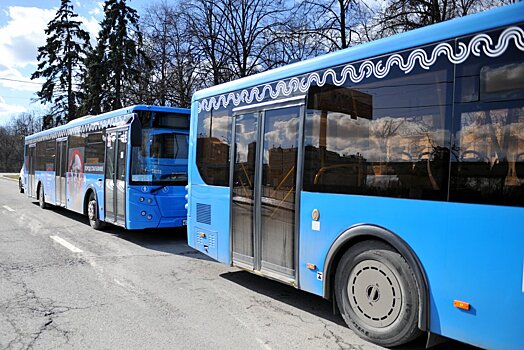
[
  {"x": 480, "y": 44},
  {"x": 80, "y": 129}
]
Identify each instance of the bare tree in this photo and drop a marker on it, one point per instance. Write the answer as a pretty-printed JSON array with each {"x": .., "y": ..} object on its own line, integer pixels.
[
  {"x": 338, "y": 23},
  {"x": 171, "y": 49},
  {"x": 206, "y": 26},
  {"x": 12, "y": 140},
  {"x": 403, "y": 15},
  {"x": 247, "y": 33}
]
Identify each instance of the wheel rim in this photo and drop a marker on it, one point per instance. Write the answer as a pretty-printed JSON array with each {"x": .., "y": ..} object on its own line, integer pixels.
[
  {"x": 91, "y": 209},
  {"x": 374, "y": 294}
]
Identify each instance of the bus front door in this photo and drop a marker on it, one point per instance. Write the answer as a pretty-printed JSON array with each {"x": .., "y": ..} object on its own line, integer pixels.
[
  {"x": 60, "y": 172},
  {"x": 115, "y": 176},
  {"x": 31, "y": 170},
  {"x": 263, "y": 191}
]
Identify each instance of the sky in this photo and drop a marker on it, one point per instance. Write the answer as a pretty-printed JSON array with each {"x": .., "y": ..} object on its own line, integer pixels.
[{"x": 22, "y": 25}]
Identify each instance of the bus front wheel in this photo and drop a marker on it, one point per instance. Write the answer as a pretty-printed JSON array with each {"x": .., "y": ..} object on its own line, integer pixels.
[
  {"x": 377, "y": 294},
  {"x": 92, "y": 213}
]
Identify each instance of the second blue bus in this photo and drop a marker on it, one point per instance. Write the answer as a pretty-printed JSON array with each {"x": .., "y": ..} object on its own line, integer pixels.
[{"x": 127, "y": 167}]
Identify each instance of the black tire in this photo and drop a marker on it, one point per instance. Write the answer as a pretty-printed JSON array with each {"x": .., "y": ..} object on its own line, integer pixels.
[
  {"x": 92, "y": 213},
  {"x": 377, "y": 294},
  {"x": 41, "y": 198},
  {"x": 20, "y": 187}
]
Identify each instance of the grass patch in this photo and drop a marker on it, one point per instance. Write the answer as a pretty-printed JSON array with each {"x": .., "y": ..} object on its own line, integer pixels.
[{"x": 14, "y": 177}]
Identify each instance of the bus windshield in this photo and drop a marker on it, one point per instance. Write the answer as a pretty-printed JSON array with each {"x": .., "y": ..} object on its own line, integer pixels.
[{"x": 161, "y": 159}]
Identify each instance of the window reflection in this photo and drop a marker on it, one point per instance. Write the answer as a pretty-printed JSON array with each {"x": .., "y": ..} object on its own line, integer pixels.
[
  {"x": 213, "y": 142},
  {"x": 488, "y": 163},
  {"x": 386, "y": 138}
]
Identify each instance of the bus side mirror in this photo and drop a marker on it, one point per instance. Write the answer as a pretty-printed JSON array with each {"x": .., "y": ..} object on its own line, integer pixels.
[{"x": 136, "y": 132}]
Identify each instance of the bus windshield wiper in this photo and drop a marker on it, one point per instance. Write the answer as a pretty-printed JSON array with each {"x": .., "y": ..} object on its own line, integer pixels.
[{"x": 155, "y": 190}]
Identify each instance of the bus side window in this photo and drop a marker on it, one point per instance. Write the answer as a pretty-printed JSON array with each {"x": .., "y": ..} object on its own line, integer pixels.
[
  {"x": 386, "y": 137},
  {"x": 488, "y": 150}
]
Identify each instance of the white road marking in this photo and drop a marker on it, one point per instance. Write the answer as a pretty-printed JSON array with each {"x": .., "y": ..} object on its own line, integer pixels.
[
  {"x": 8, "y": 208},
  {"x": 120, "y": 283},
  {"x": 66, "y": 244}
]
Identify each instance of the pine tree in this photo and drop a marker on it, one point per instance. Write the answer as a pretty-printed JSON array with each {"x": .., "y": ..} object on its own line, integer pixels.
[
  {"x": 60, "y": 62},
  {"x": 113, "y": 65}
]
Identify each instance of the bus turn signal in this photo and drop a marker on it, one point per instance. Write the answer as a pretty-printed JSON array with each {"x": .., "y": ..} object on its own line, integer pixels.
[{"x": 461, "y": 305}]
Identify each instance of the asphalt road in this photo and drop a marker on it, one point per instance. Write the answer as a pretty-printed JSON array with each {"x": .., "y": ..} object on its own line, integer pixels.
[{"x": 114, "y": 289}]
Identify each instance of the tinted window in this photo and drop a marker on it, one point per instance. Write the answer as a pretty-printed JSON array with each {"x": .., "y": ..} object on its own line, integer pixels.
[
  {"x": 213, "y": 142},
  {"x": 40, "y": 156},
  {"x": 50, "y": 155},
  {"x": 385, "y": 137},
  {"x": 94, "y": 153},
  {"x": 150, "y": 119},
  {"x": 487, "y": 163}
]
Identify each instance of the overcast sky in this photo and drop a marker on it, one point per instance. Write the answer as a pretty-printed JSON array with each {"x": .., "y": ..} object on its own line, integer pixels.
[{"x": 22, "y": 25}]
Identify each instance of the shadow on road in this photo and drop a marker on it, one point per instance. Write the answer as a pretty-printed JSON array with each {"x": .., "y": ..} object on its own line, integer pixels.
[
  {"x": 318, "y": 306},
  {"x": 171, "y": 241},
  {"x": 174, "y": 241},
  {"x": 275, "y": 290}
]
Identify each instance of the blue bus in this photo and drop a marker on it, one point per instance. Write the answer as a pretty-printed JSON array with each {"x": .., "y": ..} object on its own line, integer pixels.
[
  {"x": 387, "y": 177},
  {"x": 127, "y": 167}
]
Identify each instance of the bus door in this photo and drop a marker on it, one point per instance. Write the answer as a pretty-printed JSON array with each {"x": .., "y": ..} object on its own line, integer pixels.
[
  {"x": 263, "y": 190},
  {"x": 115, "y": 176},
  {"x": 31, "y": 149},
  {"x": 60, "y": 171}
]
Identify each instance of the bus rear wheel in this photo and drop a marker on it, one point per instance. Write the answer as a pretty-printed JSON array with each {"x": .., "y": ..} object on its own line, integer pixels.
[
  {"x": 41, "y": 199},
  {"x": 92, "y": 213},
  {"x": 377, "y": 294}
]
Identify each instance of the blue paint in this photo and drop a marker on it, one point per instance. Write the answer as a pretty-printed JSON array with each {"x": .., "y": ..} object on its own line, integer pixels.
[
  {"x": 454, "y": 243},
  {"x": 468, "y": 252},
  {"x": 163, "y": 208}
]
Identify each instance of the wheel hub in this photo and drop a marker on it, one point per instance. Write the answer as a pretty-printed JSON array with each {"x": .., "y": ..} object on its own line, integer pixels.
[
  {"x": 91, "y": 211},
  {"x": 374, "y": 293}
]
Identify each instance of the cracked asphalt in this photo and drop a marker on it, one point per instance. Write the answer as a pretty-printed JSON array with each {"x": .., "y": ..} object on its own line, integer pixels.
[{"x": 142, "y": 290}]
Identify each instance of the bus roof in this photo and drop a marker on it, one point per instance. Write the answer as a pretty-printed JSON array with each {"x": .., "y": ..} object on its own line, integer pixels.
[
  {"x": 462, "y": 26},
  {"x": 95, "y": 118}
]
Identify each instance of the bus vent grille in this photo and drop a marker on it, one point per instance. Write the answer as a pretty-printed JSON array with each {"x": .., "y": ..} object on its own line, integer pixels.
[{"x": 203, "y": 213}]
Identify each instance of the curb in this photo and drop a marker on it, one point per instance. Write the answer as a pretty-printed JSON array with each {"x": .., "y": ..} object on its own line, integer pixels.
[{"x": 8, "y": 178}]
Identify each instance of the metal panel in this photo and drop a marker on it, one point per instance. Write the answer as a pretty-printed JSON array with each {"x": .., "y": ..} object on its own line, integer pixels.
[
  {"x": 60, "y": 172},
  {"x": 263, "y": 190},
  {"x": 116, "y": 176},
  {"x": 31, "y": 171},
  {"x": 242, "y": 187},
  {"x": 203, "y": 213}
]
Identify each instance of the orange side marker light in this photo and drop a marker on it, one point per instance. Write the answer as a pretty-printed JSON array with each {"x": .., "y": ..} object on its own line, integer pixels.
[
  {"x": 461, "y": 305},
  {"x": 311, "y": 266}
]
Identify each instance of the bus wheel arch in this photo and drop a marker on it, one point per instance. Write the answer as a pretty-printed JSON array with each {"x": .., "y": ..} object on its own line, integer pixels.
[{"x": 370, "y": 233}]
